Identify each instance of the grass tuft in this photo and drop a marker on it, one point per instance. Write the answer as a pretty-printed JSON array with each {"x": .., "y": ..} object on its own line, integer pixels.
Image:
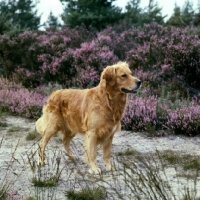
[
  {"x": 192, "y": 163},
  {"x": 48, "y": 182},
  {"x": 170, "y": 156},
  {"x": 33, "y": 135},
  {"x": 186, "y": 161},
  {"x": 13, "y": 129},
  {"x": 128, "y": 152},
  {"x": 3, "y": 124},
  {"x": 87, "y": 194},
  {"x": 3, "y": 193},
  {"x": 30, "y": 198}
]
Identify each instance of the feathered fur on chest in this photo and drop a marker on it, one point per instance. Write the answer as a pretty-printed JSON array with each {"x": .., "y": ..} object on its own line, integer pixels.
[{"x": 114, "y": 107}]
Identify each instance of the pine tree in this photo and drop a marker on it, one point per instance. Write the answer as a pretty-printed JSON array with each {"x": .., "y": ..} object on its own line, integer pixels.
[
  {"x": 197, "y": 15},
  {"x": 184, "y": 17},
  {"x": 176, "y": 18},
  {"x": 152, "y": 13},
  {"x": 21, "y": 12},
  {"x": 7, "y": 26},
  {"x": 95, "y": 13},
  {"x": 188, "y": 13},
  {"x": 52, "y": 23},
  {"x": 133, "y": 11}
]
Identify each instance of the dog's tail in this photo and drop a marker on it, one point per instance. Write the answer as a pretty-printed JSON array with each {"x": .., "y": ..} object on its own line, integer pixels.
[
  {"x": 48, "y": 112},
  {"x": 42, "y": 122},
  {"x": 39, "y": 125}
]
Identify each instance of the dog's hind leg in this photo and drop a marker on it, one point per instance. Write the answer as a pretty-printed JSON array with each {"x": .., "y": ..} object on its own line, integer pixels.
[
  {"x": 48, "y": 125},
  {"x": 67, "y": 136},
  {"x": 50, "y": 131}
]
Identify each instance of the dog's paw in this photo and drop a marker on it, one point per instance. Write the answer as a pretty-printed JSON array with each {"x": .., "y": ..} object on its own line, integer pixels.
[
  {"x": 110, "y": 167},
  {"x": 95, "y": 170},
  {"x": 41, "y": 162},
  {"x": 73, "y": 156}
]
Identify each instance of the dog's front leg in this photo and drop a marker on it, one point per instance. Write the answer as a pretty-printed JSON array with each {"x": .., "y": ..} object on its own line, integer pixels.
[
  {"x": 91, "y": 148},
  {"x": 106, "y": 147}
]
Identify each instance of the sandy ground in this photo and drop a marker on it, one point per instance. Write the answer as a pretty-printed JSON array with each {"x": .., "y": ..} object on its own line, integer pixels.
[{"x": 18, "y": 159}]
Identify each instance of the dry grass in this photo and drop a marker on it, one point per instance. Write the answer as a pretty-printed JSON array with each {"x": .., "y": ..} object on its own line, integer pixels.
[{"x": 185, "y": 161}]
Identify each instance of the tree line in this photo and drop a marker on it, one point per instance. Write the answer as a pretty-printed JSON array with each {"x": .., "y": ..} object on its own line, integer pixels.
[{"x": 19, "y": 15}]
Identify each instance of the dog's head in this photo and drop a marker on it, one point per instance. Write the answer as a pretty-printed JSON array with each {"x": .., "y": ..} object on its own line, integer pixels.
[{"x": 119, "y": 78}]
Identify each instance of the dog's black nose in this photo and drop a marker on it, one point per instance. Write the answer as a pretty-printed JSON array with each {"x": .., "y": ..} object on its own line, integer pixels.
[{"x": 139, "y": 82}]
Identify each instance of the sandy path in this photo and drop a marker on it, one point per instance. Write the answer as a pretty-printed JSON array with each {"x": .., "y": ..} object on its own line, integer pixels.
[{"x": 16, "y": 167}]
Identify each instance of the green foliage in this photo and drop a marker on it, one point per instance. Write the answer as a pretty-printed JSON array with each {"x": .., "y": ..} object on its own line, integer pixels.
[
  {"x": 184, "y": 17},
  {"x": 87, "y": 194},
  {"x": 97, "y": 14},
  {"x": 139, "y": 16},
  {"x": 52, "y": 23},
  {"x": 175, "y": 19},
  {"x": 153, "y": 13},
  {"x": 192, "y": 162},
  {"x": 170, "y": 156},
  {"x": 21, "y": 13},
  {"x": 133, "y": 11},
  {"x": 3, "y": 193},
  {"x": 13, "y": 129},
  {"x": 30, "y": 198},
  {"x": 48, "y": 182},
  {"x": 189, "y": 196},
  {"x": 3, "y": 124},
  {"x": 7, "y": 26},
  {"x": 185, "y": 161},
  {"x": 52, "y": 87},
  {"x": 32, "y": 135},
  {"x": 90, "y": 84},
  {"x": 188, "y": 13},
  {"x": 150, "y": 128}
]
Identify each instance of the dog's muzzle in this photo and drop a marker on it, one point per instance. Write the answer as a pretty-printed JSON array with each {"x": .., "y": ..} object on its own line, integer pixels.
[{"x": 138, "y": 84}]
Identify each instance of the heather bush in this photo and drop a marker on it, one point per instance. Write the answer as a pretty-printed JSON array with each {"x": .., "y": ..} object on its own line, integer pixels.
[
  {"x": 89, "y": 61},
  {"x": 166, "y": 59},
  {"x": 167, "y": 54},
  {"x": 75, "y": 57},
  {"x": 140, "y": 112},
  {"x": 161, "y": 55},
  {"x": 42, "y": 57},
  {"x": 75, "y": 65},
  {"x": 22, "y": 102},
  {"x": 144, "y": 112},
  {"x": 150, "y": 112},
  {"x": 184, "y": 119},
  {"x": 15, "y": 51},
  {"x": 7, "y": 84},
  {"x": 19, "y": 100}
]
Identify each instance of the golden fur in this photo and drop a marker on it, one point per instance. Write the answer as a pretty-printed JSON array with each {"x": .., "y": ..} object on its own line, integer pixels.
[{"x": 94, "y": 112}]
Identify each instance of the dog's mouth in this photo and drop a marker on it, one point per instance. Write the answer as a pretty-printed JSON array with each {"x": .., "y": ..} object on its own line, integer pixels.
[
  {"x": 129, "y": 91},
  {"x": 133, "y": 91}
]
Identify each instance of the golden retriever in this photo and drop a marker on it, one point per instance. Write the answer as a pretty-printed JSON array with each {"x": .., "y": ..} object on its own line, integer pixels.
[{"x": 94, "y": 112}]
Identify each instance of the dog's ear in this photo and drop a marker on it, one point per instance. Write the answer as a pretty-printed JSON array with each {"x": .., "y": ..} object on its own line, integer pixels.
[{"x": 109, "y": 75}]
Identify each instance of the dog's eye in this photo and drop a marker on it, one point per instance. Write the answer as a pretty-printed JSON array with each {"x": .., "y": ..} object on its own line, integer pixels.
[{"x": 124, "y": 75}]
